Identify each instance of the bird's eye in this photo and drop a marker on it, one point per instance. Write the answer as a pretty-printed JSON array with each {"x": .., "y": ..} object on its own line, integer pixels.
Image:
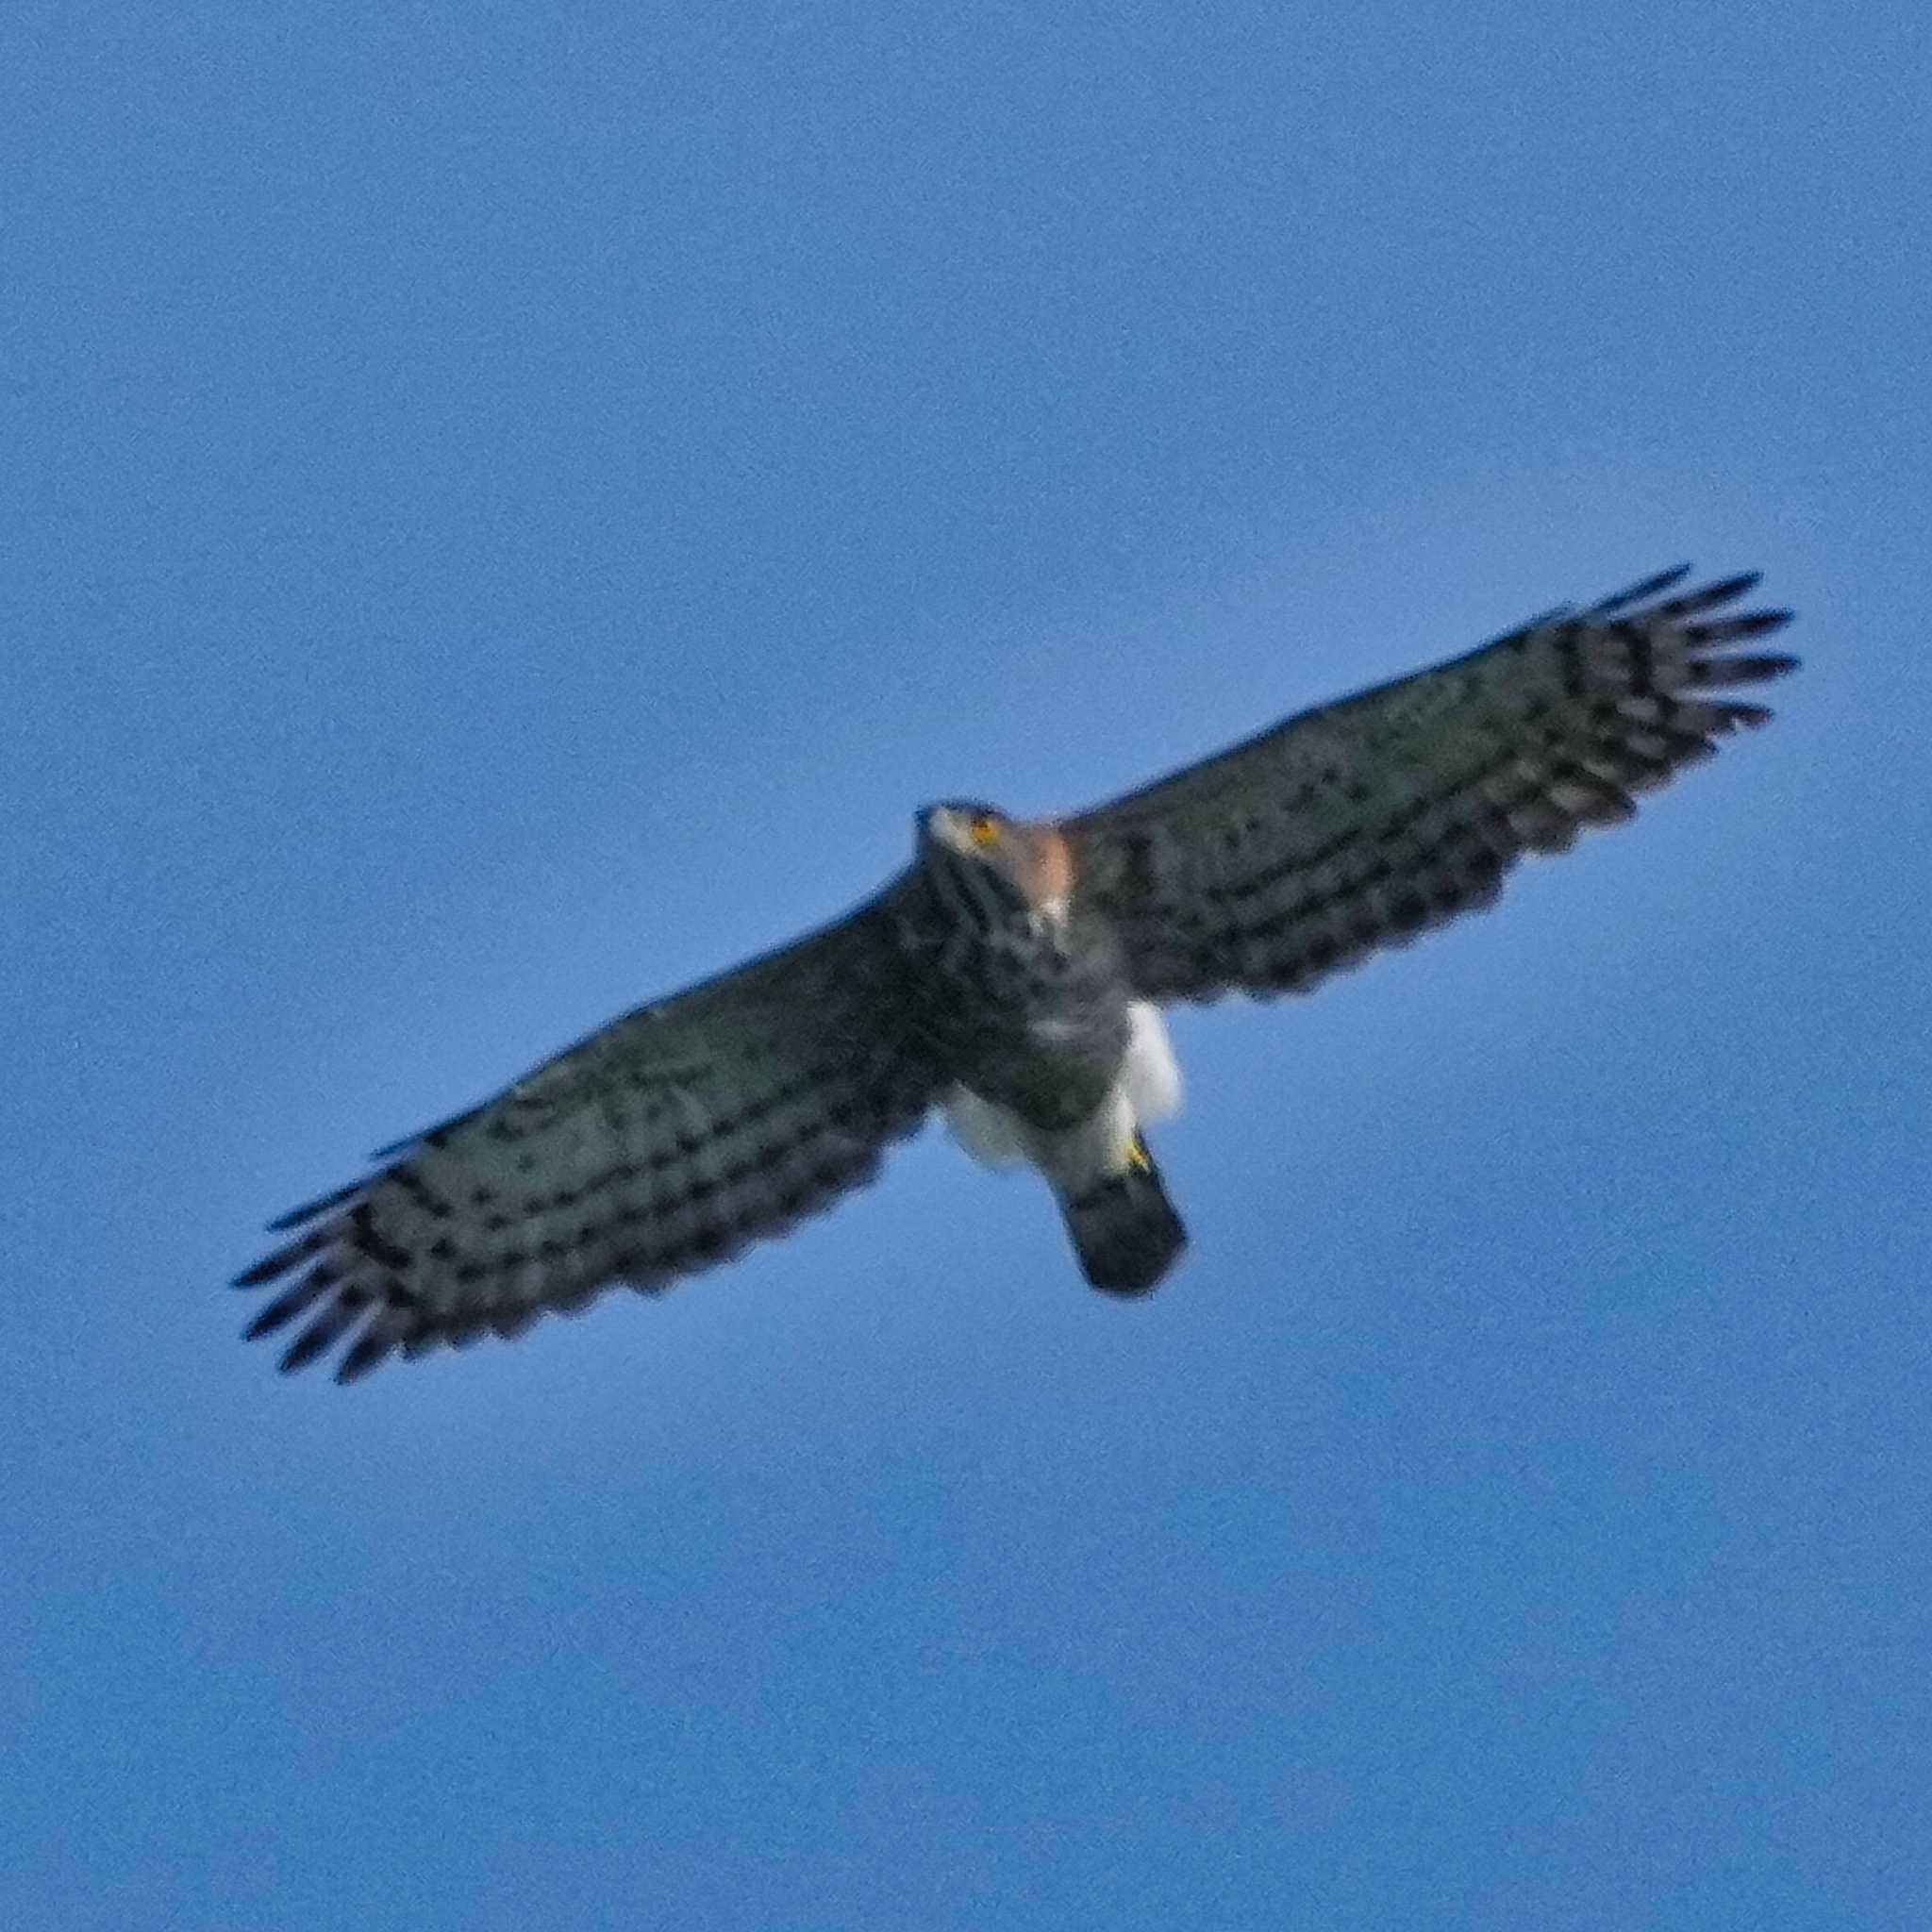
[{"x": 983, "y": 830}]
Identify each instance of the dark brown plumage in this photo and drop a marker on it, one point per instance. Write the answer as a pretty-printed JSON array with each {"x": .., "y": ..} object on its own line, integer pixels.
[{"x": 1007, "y": 972}]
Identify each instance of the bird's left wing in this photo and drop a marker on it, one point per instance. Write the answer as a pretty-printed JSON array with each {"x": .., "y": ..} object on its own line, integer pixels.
[
  {"x": 655, "y": 1148},
  {"x": 1362, "y": 824}
]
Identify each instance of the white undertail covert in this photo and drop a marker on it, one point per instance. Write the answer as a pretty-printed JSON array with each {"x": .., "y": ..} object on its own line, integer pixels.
[{"x": 1148, "y": 1090}]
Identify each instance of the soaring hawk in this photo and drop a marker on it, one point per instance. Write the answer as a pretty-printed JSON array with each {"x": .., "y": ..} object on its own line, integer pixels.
[{"x": 1011, "y": 975}]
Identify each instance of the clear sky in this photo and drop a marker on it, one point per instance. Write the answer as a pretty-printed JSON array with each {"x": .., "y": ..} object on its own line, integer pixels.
[{"x": 509, "y": 508}]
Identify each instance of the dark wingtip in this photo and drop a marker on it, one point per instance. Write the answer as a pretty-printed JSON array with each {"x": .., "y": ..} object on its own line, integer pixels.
[
  {"x": 308, "y": 1345},
  {"x": 320, "y": 1205},
  {"x": 1755, "y": 623},
  {"x": 369, "y": 1351},
  {"x": 290, "y": 1303},
  {"x": 1726, "y": 589},
  {"x": 266, "y": 1323},
  {"x": 1769, "y": 664},
  {"x": 1638, "y": 592},
  {"x": 279, "y": 1262}
]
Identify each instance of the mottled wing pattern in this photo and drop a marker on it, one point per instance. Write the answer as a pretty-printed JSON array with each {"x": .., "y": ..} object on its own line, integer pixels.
[
  {"x": 657, "y": 1147},
  {"x": 1365, "y": 822}
]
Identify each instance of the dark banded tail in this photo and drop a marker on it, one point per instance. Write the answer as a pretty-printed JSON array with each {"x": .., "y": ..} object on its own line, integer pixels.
[{"x": 1124, "y": 1228}]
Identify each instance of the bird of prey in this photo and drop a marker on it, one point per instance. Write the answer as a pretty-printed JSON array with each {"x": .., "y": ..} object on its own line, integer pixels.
[{"x": 1011, "y": 977}]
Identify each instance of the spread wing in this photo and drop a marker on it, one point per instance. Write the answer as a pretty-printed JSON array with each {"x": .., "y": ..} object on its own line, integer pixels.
[
  {"x": 655, "y": 1148},
  {"x": 1364, "y": 822}
]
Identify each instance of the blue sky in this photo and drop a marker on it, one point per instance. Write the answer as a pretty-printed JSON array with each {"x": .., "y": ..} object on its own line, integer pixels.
[{"x": 508, "y": 509}]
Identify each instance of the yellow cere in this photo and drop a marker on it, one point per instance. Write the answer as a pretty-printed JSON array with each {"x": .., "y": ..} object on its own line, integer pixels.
[{"x": 984, "y": 831}]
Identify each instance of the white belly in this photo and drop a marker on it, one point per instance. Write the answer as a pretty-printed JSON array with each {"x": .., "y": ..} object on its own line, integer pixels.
[{"x": 1148, "y": 1089}]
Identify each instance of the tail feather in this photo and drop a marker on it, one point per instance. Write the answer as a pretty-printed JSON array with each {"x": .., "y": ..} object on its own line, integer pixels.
[{"x": 1124, "y": 1228}]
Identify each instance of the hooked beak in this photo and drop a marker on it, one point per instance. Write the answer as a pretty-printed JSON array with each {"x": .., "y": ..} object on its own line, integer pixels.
[{"x": 941, "y": 824}]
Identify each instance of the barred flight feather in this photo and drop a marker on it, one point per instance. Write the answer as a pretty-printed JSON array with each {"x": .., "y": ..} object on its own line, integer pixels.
[
  {"x": 1002, "y": 969},
  {"x": 1363, "y": 824},
  {"x": 658, "y": 1147}
]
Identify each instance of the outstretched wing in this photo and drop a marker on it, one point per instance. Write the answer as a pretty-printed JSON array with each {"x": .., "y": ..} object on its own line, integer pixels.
[
  {"x": 1364, "y": 822},
  {"x": 655, "y": 1148}
]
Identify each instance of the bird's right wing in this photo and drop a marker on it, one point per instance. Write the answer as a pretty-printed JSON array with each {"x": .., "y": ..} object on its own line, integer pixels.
[
  {"x": 655, "y": 1148},
  {"x": 1361, "y": 823}
]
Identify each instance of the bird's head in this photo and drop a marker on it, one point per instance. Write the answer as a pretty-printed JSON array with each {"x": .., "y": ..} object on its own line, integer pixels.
[{"x": 992, "y": 865}]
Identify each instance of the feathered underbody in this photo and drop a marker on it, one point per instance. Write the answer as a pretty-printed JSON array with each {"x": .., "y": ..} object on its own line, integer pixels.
[
  {"x": 1052, "y": 1062},
  {"x": 1011, "y": 977}
]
